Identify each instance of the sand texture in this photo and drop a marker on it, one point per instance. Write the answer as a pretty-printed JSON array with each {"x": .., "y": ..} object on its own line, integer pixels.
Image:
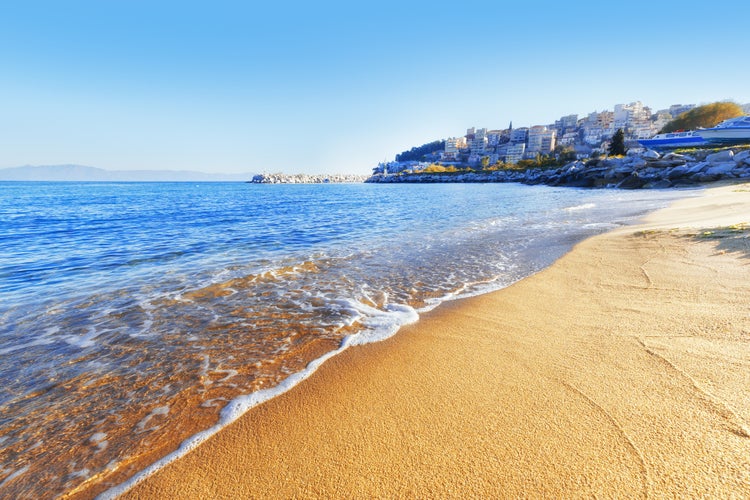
[{"x": 623, "y": 370}]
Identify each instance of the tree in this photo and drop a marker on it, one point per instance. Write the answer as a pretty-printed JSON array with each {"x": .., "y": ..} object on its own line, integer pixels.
[
  {"x": 417, "y": 153},
  {"x": 485, "y": 162},
  {"x": 617, "y": 147},
  {"x": 705, "y": 116}
]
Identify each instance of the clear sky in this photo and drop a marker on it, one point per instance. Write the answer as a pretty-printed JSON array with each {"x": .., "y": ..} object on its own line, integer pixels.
[{"x": 324, "y": 87}]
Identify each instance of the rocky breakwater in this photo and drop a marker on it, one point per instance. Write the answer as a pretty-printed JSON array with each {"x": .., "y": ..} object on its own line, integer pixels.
[
  {"x": 307, "y": 179},
  {"x": 645, "y": 170}
]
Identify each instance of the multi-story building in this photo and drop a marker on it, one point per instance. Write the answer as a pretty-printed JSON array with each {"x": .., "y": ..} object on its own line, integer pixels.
[
  {"x": 453, "y": 146},
  {"x": 494, "y": 137},
  {"x": 566, "y": 124},
  {"x": 541, "y": 140},
  {"x": 519, "y": 135},
  {"x": 479, "y": 143},
  {"x": 631, "y": 116},
  {"x": 569, "y": 138},
  {"x": 515, "y": 152},
  {"x": 597, "y": 127}
]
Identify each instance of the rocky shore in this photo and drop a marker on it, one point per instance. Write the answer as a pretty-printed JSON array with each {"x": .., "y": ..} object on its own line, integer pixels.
[
  {"x": 644, "y": 170},
  {"x": 307, "y": 179}
]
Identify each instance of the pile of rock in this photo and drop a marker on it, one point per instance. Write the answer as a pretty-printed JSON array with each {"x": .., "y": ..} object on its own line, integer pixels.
[
  {"x": 637, "y": 171},
  {"x": 307, "y": 179}
]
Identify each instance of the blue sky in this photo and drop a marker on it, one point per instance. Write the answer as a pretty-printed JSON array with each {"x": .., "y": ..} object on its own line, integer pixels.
[{"x": 329, "y": 87}]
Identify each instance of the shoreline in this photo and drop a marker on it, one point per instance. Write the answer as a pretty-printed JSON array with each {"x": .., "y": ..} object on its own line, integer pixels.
[{"x": 261, "y": 424}]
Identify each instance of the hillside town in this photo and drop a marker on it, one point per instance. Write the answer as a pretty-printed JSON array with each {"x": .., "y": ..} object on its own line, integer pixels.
[{"x": 577, "y": 137}]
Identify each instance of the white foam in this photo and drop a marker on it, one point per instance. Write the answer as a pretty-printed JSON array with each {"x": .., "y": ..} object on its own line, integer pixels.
[
  {"x": 83, "y": 341},
  {"x": 100, "y": 440},
  {"x": 41, "y": 341},
  {"x": 158, "y": 411},
  {"x": 99, "y": 436},
  {"x": 379, "y": 325},
  {"x": 584, "y": 206}
]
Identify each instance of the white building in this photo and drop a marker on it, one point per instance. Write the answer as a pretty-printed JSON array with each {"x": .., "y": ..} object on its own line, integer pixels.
[
  {"x": 598, "y": 127},
  {"x": 519, "y": 135},
  {"x": 568, "y": 138},
  {"x": 566, "y": 124},
  {"x": 515, "y": 152},
  {"x": 479, "y": 142},
  {"x": 631, "y": 116},
  {"x": 541, "y": 140},
  {"x": 453, "y": 145}
]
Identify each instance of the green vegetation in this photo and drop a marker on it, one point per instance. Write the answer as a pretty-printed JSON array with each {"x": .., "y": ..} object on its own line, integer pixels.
[
  {"x": 725, "y": 232},
  {"x": 435, "y": 168},
  {"x": 418, "y": 153},
  {"x": 704, "y": 116},
  {"x": 617, "y": 147}
]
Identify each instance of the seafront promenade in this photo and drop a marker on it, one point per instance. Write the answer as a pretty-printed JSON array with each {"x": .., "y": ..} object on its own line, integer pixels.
[{"x": 619, "y": 371}]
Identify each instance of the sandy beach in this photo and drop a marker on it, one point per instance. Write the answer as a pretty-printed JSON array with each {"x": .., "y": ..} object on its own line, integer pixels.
[{"x": 623, "y": 370}]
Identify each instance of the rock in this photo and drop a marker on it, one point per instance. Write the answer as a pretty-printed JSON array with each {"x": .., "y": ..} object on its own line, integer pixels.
[
  {"x": 707, "y": 178},
  {"x": 659, "y": 164},
  {"x": 633, "y": 181},
  {"x": 742, "y": 156},
  {"x": 677, "y": 172},
  {"x": 677, "y": 156},
  {"x": 662, "y": 184},
  {"x": 720, "y": 157},
  {"x": 650, "y": 155},
  {"x": 720, "y": 168},
  {"x": 697, "y": 168}
]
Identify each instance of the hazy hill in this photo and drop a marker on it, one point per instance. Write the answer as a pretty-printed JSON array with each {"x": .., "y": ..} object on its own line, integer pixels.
[{"x": 83, "y": 173}]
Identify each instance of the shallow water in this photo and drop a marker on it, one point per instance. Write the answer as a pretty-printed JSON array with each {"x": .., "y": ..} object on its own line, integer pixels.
[{"x": 132, "y": 313}]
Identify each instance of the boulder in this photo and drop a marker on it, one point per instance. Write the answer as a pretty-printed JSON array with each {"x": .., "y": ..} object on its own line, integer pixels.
[
  {"x": 743, "y": 172},
  {"x": 742, "y": 156},
  {"x": 706, "y": 178},
  {"x": 721, "y": 168},
  {"x": 677, "y": 172},
  {"x": 650, "y": 155},
  {"x": 665, "y": 163},
  {"x": 662, "y": 184},
  {"x": 633, "y": 181},
  {"x": 720, "y": 157},
  {"x": 697, "y": 168},
  {"x": 637, "y": 162},
  {"x": 677, "y": 156}
]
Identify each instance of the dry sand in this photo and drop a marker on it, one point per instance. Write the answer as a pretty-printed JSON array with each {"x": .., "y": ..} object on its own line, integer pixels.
[{"x": 623, "y": 370}]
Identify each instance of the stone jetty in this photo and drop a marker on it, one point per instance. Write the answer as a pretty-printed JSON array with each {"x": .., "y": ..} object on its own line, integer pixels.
[{"x": 307, "y": 179}]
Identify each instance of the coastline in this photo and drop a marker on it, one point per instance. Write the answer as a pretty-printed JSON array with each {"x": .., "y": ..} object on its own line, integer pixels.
[{"x": 546, "y": 387}]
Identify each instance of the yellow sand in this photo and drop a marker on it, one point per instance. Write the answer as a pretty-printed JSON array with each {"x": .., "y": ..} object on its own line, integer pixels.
[{"x": 623, "y": 371}]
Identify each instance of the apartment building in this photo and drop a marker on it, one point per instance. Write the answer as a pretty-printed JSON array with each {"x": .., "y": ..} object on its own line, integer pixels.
[{"x": 541, "y": 140}]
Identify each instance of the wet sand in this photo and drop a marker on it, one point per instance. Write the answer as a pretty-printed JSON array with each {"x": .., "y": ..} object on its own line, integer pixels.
[{"x": 623, "y": 370}]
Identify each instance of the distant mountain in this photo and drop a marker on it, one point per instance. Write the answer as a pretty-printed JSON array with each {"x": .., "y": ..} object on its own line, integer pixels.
[{"x": 83, "y": 173}]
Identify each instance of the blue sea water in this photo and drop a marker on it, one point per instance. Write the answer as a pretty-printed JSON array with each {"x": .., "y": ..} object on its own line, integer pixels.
[{"x": 132, "y": 313}]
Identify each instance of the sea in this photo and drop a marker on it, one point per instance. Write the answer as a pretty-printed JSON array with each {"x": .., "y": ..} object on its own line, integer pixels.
[{"x": 138, "y": 318}]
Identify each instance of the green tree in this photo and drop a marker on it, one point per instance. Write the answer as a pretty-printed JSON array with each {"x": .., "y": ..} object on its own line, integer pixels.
[
  {"x": 485, "y": 162},
  {"x": 617, "y": 146},
  {"x": 565, "y": 154},
  {"x": 417, "y": 153},
  {"x": 705, "y": 116}
]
